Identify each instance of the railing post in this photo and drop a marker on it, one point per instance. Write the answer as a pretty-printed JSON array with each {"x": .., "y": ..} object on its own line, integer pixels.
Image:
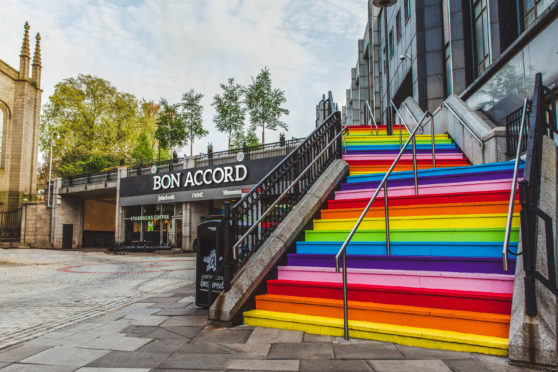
[
  {"x": 433, "y": 142},
  {"x": 386, "y": 212},
  {"x": 415, "y": 164},
  {"x": 345, "y": 299},
  {"x": 227, "y": 270}
]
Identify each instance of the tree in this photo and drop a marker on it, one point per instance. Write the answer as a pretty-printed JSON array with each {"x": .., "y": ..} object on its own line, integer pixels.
[
  {"x": 89, "y": 115},
  {"x": 247, "y": 138},
  {"x": 143, "y": 152},
  {"x": 264, "y": 104},
  {"x": 170, "y": 126},
  {"x": 230, "y": 112},
  {"x": 192, "y": 116}
]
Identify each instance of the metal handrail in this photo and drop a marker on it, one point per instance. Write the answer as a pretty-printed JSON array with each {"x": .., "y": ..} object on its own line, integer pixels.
[
  {"x": 256, "y": 224},
  {"x": 506, "y": 247},
  {"x": 414, "y": 142},
  {"x": 465, "y": 125},
  {"x": 343, "y": 250},
  {"x": 373, "y": 118},
  {"x": 432, "y": 132}
]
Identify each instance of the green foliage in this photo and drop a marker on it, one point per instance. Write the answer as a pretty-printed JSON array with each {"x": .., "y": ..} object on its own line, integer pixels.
[
  {"x": 249, "y": 138},
  {"x": 89, "y": 114},
  {"x": 282, "y": 139},
  {"x": 264, "y": 104},
  {"x": 143, "y": 152},
  {"x": 192, "y": 113},
  {"x": 230, "y": 111}
]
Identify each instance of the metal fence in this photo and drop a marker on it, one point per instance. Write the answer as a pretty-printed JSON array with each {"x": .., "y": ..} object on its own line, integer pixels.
[
  {"x": 10, "y": 226},
  {"x": 513, "y": 124}
]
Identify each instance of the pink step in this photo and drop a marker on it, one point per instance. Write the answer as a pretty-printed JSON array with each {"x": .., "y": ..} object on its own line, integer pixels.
[
  {"x": 476, "y": 282},
  {"x": 380, "y": 157},
  {"x": 433, "y": 189}
]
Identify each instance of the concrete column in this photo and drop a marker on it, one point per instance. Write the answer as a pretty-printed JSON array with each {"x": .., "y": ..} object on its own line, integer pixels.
[
  {"x": 186, "y": 209},
  {"x": 53, "y": 217},
  {"x": 122, "y": 172}
]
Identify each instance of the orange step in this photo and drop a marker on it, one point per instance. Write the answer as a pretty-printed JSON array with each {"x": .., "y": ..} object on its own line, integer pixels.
[
  {"x": 423, "y": 210},
  {"x": 487, "y": 324}
]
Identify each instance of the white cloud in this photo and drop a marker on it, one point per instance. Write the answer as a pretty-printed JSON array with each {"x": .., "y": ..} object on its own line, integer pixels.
[{"x": 158, "y": 48}]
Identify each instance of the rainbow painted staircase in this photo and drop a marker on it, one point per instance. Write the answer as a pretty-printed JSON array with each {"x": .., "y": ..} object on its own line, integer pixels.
[{"x": 443, "y": 285}]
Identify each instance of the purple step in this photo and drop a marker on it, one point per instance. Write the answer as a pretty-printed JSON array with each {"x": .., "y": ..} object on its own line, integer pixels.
[
  {"x": 430, "y": 180},
  {"x": 486, "y": 265},
  {"x": 395, "y": 152}
]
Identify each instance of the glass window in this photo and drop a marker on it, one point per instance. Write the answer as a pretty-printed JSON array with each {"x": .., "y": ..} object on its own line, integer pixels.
[
  {"x": 398, "y": 26},
  {"x": 482, "y": 36},
  {"x": 532, "y": 9},
  {"x": 391, "y": 46},
  {"x": 407, "y": 9}
]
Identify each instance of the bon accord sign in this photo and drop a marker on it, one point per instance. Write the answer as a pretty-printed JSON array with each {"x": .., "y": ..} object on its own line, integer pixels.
[{"x": 204, "y": 183}]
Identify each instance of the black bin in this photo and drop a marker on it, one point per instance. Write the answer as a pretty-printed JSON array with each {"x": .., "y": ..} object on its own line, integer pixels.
[{"x": 209, "y": 260}]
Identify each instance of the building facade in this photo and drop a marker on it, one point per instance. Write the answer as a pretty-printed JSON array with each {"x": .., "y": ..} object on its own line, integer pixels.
[
  {"x": 20, "y": 105},
  {"x": 479, "y": 50}
]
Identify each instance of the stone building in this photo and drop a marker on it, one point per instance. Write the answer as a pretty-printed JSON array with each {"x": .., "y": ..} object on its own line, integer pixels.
[{"x": 20, "y": 105}]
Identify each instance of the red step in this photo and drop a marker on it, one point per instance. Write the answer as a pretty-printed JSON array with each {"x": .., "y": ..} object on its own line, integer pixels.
[{"x": 498, "y": 303}]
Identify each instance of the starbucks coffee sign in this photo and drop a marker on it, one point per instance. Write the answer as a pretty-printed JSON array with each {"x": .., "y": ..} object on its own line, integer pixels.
[{"x": 219, "y": 175}]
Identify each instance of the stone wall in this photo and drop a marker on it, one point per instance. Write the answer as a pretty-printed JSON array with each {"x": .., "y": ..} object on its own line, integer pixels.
[{"x": 35, "y": 225}]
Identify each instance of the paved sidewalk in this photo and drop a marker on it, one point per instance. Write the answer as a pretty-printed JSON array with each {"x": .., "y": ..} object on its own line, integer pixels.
[{"x": 167, "y": 333}]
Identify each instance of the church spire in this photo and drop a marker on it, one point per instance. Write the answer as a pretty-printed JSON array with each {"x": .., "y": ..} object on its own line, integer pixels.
[
  {"x": 24, "y": 57},
  {"x": 36, "y": 71}
]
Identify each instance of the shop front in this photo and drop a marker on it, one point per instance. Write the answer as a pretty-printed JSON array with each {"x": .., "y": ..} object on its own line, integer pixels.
[{"x": 164, "y": 209}]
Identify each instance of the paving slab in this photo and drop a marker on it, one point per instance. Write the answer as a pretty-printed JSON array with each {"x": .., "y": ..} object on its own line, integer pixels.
[
  {"x": 180, "y": 311},
  {"x": 484, "y": 364},
  {"x": 117, "y": 342},
  {"x": 409, "y": 365},
  {"x": 19, "y": 352},
  {"x": 196, "y": 361},
  {"x": 21, "y": 367},
  {"x": 154, "y": 332},
  {"x": 223, "y": 336},
  {"x": 366, "y": 351},
  {"x": 169, "y": 345},
  {"x": 129, "y": 359},
  {"x": 160, "y": 299},
  {"x": 3, "y": 364},
  {"x": 314, "y": 350},
  {"x": 95, "y": 369},
  {"x": 65, "y": 356},
  {"x": 411, "y": 352},
  {"x": 273, "y": 336},
  {"x": 187, "y": 331},
  {"x": 317, "y": 365},
  {"x": 316, "y": 338},
  {"x": 169, "y": 305},
  {"x": 263, "y": 365},
  {"x": 145, "y": 320},
  {"x": 204, "y": 349},
  {"x": 249, "y": 351},
  {"x": 179, "y": 321}
]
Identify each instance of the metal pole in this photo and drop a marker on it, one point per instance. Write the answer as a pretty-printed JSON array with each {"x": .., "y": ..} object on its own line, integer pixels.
[
  {"x": 49, "y": 203},
  {"x": 433, "y": 143},
  {"x": 345, "y": 304},
  {"x": 400, "y": 135},
  {"x": 386, "y": 211},
  {"x": 415, "y": 164}
]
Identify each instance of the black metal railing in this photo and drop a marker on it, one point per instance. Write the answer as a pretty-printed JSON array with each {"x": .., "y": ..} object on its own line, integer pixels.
[
  {"x": 247, "y": 224},
  {"x": 325, "y": 108},
  {"x": 10, "y": 226},
  {"x": 513, "y": 125},
  {"x": 543, "y": 123}
]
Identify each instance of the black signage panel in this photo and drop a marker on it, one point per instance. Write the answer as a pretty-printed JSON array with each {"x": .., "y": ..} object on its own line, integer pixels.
[
  {"x": 209, "y": 259},
  {"x": 228, "y": 178}
]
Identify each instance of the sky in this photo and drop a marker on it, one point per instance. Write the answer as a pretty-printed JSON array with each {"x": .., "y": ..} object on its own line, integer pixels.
[{"x": 162, "y": 48}]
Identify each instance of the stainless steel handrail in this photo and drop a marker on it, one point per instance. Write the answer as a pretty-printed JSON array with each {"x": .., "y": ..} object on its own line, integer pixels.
[
  {"x": 465, "y": 125},
  {"x": 513, "y": 190},
  {"x": 343, "y": 250},
  {"x": 414, "y": 142},
  {"x": 257, "y": 223},
  {"x": 373, "y": 118},
  {"x": 432, "y": 132}
]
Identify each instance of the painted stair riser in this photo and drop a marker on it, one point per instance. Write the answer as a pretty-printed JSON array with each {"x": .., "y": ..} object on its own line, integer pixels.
[
  {"x": 407, "y": 162},
  {"x": 419, "y": 222},
  {"x": 497, "y": 303},
  {"x": 375, "y": 169},
  {"x": 494, "y": 325},
  {"x": 413, "y": 336},
  {"x": 406, "y": 235},
  {"x": 395, "y": 147},
  {"x": 437, "y": 179},
  {"x": 403, "y": 200},
  {"x": 487, "y": 265},
  {"x": 482, "y": 168},
  {"x": 406, "y": 157},
  {"x": 438, "y": 189},
  {"x": 421, "y": 210},
  {"x": 435, "y": 249},
  {"x": 417, "y": 279},
  {"x": 394, "y": 151}
]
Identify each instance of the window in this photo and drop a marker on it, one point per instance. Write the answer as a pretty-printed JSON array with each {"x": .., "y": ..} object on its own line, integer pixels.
[
  {"x": 398, "y": 26},
  {"x": 407, "y": 9},
  {"x": 391, "y": 46},
  {"x": 482, "y": 35},
  {"x": 532, "y": 9}
]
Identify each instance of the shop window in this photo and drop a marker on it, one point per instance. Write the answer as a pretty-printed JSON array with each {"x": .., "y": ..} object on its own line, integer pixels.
[
  {"x": 481, "y": 31},
  {"x": 398, "y": 26},
  {"x": 407, "y": 9}
]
